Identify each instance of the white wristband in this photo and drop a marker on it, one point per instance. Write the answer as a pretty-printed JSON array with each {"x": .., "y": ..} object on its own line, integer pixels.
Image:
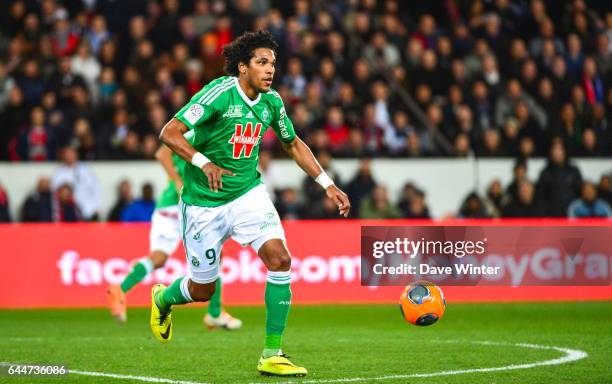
[
  {"x": 199, "y": 160},
  {"x": 324, "y": 180}
]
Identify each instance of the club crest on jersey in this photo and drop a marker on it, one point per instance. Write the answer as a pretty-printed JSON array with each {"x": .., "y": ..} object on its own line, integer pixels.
[
  {"x": 245, "y": 139},
  {"x": 265, "y": 114},
  {"x": 233, "y": 111}
]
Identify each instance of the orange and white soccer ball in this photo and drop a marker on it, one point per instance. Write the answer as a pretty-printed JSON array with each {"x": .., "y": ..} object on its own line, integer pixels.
[{"x": 422, "y": 303}]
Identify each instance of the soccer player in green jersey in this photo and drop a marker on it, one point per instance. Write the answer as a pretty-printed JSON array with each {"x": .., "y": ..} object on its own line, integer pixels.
[
  {"x": 223, "y": 195},
  {"x": 164, "y": 237}
]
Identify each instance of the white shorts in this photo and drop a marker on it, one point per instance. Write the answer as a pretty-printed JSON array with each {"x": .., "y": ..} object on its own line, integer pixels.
[
  {"x": 249, "y": 220},
  {"x": 165, "y": 233}
]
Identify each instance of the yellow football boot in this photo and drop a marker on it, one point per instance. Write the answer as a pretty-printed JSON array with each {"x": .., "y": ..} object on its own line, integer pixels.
[
  {"x": 279, "y": 365},
  {"x": 161, "y": 322}
]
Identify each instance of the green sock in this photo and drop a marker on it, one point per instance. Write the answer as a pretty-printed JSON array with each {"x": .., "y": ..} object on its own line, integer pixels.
[
  {"x": 214, "y": 305},
  {"x": 176, "y": 294},
  {"x": 138, "y": 272},
  {"x": 278, "y": 302}
]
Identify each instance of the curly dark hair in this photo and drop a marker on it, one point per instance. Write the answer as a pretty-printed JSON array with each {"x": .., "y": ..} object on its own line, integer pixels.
[{"x": 242, "y": 49}]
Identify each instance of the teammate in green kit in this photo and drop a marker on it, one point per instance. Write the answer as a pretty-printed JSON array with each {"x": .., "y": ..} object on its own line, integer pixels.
[
  {"x": 223, "y": 195},
  {"x": 164, "y": 237}
]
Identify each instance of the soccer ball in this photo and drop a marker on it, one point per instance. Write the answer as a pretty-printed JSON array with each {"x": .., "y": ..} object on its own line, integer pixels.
[{"x": 422, "y": 303}]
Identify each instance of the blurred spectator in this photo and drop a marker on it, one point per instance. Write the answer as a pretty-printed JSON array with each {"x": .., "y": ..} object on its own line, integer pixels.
[
  {"x": 604, "y": 189},
  {"x": 288, "y": 205},
  {"x": 98, "y": 33},
  {"x": 336, "y": 128},
  {"x": 6, "y": 84},
  {"x": 482, "y": 105},
  {"x": 408, "y": 193},
  {"x": 328, "y": 81},
  {"x": 31, "y": 83},
  {"x": 80, "y": 178},
  {"x": 373, "y": 132},
  {"x": 14, "y": 115},
  {"x": 412, "y": 203},
  {"x": 396, "y": 134},
  {"x": 377, "y": 205},
  {"x": 431, "y": 74},
  {"x": 559, "y": 183},
  {"x": 380, "y": 54},
  {"x": 37, "y": 141},
  {"x": 87, "y": 66},
  {"x": 128, "y": 148},
  {"x": 462, "y": 145},
  {"x": 140, "y": 209},
  {"x": 522, "y": 204},
  {"x": 494, "y": 199},
  {"x": 473, "y": 208},
  {"x": 124, "y": 198},
  {"x": 328, "y": 210},
  {"x": 83, "y": 139},
  {"x": 63, "y": 80},
  {"x": 314, "y": 195},
  {"x": 269, "y": 174},
  {"x": 65, "y": 207},
  {"x": 360, "y": 186},
  {"x": 295, "y": 79},
  {"x": 202, "y": 18},
  {"x": 418, "y": 208},
  {"x": 63, "y": 39},
  {"x": 520, "y": 173},
  {"x": 508, "y": 101},
  {"x": 589, "y": 205},
  {"x": 38, "y": 206},
  {"x": 589, "y": 146},
  {"x": 5, "y": 213}
]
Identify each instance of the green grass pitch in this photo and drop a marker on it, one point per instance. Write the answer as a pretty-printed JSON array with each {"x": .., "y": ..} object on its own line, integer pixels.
[{"x": 337, "y": 343}]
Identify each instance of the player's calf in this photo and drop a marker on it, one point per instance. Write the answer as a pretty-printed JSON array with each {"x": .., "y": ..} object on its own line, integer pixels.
[
  {"x": 201, "y": 292},
  {"x": 158, "y": 258}
]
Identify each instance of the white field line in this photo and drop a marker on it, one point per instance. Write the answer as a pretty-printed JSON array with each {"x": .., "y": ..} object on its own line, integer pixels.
[
  {"x": 146, "y": 379},
  {"x": 569, "y": 356}
]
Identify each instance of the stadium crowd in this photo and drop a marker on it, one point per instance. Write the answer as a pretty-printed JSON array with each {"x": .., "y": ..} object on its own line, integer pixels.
[
  {"x": 360, "y": 78},
  {"x": 559, "y": 191}
]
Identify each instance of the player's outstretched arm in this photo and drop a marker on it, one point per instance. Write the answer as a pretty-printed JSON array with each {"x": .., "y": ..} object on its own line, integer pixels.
[
  {"x": 302, "y": 155},
  {"x": 172, "y": 136},
  {"x": 164, "y": 156}
]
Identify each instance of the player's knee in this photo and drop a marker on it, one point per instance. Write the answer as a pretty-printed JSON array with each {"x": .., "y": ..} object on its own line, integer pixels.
[
  {"x": 279, "y": 262},
  {"x": 201, "y": 292}
]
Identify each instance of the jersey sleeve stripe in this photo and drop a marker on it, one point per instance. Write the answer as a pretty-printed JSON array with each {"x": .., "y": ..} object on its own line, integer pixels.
[
  {"x": 217, "y": 94},
  {"x": 212, "y": 90}
]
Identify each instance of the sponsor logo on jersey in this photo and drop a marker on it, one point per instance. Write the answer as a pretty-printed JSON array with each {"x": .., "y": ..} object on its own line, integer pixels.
[
  {"x": 234, "y": 111},
  {"x": 194, "y": 113},
  {"x": 244, "y": 139},
  {"x": 269, "y": 221},
  {"x": 281, "y": 123},
  {"x": 249, "y": 115}
]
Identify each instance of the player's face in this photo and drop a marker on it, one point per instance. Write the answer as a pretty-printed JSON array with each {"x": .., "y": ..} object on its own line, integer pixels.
[{"x": 260, "y": 70}]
